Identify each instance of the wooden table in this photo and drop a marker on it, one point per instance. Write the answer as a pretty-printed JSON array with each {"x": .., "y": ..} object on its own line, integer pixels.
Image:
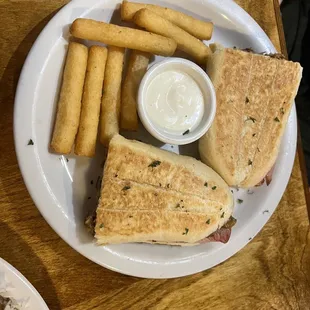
[{"x": 271, "y": 272}]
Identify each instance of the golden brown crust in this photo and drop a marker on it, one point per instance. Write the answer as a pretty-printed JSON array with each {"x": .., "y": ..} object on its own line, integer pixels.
[
  {"x": 285, "y": 86},
  {"x": 257, "y": 106},
  {"x": 198, "y": 28},
  {"x": 134, "y": 207},
  {"x": 111, "y": 98},
  {"x": 115, "y": 226},
  {"x": 126, "y": 37},
  {"x": 137, "y": 66},
  {"x": 69, "y": 104},
  {"x": 180, "y": 173},
  {"x": 187, "y": 43},
  {"x": 128, "y": 195},
  {"x": 243, "y": 142},
  {"x": 222, "y": 141}
]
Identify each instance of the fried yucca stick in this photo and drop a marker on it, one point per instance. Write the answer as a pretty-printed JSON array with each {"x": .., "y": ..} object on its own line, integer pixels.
[
  {"x": 186, "y": 42},
  {"x": 122, "y": 37},
  {"x": 137, "y": 66},
  {"x": 85, "y": 144},
  {"x": 200, "y": 29},
  {"x": 111, "y": 98},
  {"x": 69, "y": 104}
]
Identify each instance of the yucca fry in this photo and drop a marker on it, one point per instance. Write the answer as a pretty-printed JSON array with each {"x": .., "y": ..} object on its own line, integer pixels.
[
  {"x": 137, "y": 66},
  {"x": 111, "y": 98},
  {"x": 69, "y": 104},
  {"x": 200, "y": 29},
  {"x": 85, "y": 144},
  {"x": 122, "y": 37},
  {"x": 186, "y": 42}
]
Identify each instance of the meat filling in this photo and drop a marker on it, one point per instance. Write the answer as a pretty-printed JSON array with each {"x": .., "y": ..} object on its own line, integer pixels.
[{"x": 220, "y": 235}]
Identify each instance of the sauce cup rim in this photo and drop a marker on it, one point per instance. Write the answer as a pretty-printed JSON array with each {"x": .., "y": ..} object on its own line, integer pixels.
[{"x": 205, "y": 85}]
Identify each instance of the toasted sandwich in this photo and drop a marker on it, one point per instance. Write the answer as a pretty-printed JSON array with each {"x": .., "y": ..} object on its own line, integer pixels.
[
  {"x": 255, "y": 94},
  {"x": 154, "y": 196}
]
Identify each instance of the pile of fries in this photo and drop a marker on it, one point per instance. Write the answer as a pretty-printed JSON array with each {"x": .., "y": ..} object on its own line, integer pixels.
[{"x": 92, "y": 92}]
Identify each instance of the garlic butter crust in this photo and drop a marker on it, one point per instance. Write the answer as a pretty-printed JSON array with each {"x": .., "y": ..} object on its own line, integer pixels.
[
  {"x": 151, "y": 194},
  {"x": 254, "y": 94}
]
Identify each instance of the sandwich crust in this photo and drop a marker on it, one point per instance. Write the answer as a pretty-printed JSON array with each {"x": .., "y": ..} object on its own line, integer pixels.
[
  {"x": 254, "y": 98},
  {"x": 152, "y": 195},
  {"x": 284, "y": 90}
]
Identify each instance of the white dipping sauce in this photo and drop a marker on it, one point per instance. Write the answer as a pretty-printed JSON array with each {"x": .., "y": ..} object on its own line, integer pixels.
[{"x": 174, "y": 102}]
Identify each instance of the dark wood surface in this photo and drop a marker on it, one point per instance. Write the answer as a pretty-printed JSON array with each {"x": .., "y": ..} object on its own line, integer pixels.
[{"x": 271, "y": 272}]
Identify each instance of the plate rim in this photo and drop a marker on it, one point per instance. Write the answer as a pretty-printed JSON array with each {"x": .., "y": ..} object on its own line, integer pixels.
[
  {"x": 25, "y": 282},
  {"x": 24, "y": 159}
]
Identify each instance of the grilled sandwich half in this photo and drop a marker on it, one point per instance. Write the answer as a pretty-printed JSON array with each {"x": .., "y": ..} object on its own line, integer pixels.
[
  {"x": 255, "y": 94},
  {"x": 154, "y": 196}
]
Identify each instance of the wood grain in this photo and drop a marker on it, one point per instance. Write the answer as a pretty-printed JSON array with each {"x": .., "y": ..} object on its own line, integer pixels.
[{"x": 271, "y": 272}]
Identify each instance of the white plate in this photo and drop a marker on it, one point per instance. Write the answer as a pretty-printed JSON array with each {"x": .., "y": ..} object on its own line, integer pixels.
[
  {"x": 60, "y": 189},
  {"x": 19, "y": 288}
]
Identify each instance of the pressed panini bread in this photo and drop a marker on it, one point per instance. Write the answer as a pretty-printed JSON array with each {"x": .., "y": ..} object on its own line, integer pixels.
[
  {"x": 152, "y": 195},
  {"x": 255, "y": 94}
]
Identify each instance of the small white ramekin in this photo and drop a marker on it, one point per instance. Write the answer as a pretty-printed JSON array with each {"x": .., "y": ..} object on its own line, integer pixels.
[{"x": 206, "y": 86}]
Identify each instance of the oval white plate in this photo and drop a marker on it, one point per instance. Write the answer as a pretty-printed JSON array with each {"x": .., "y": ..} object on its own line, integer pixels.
[
  {"x": 19, "y": 288},
  {"x": 61, "y": 188}
]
